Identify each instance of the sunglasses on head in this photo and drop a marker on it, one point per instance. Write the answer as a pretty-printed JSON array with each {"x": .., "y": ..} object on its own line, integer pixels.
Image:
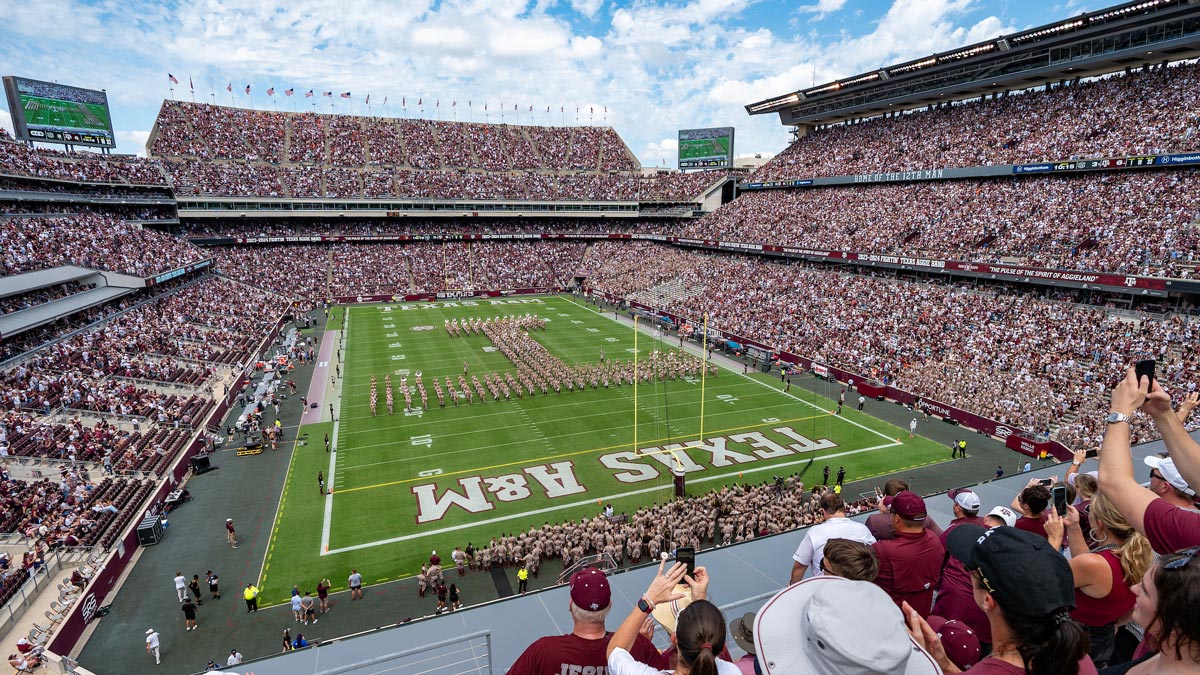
[{"x": 1183, "y": 558}]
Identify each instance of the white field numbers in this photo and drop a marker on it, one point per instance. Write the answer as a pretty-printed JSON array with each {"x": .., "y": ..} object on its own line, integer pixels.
[
  {"x": 728, "y": 398},
  {"x": 424, "y": 439}
]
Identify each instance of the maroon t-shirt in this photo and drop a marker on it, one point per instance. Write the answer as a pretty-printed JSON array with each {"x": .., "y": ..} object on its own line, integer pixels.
[
  {"x": 955, "y": 599},
  {"x": 1170, "y": 528},
  {"x": 998, "y": 667},
  {"x": 572, "y": 655},
  {"x": 909, "y": 568},
  {"x": 1034, "y": 525}
]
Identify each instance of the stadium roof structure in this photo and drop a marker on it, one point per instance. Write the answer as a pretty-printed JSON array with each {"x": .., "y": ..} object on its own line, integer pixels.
[{"x": 1123, "y": 36}]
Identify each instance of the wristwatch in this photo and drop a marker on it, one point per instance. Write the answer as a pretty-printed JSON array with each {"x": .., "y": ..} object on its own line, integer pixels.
[
  {"x": 1114, "y": 417},
  {"x": 645, "y": 606}
]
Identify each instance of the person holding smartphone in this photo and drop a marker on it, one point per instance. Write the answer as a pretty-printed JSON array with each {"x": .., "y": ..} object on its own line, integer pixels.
[
  {"x": 1104, "y": 576},
  {"x": 1031, "y": 503}
]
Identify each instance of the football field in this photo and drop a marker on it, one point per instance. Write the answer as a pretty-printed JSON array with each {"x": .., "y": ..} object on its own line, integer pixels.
[
  {"x": 436, "y": 477},
  {"x": 64, "y": 114},
  {"x": 707, "y": 148}
]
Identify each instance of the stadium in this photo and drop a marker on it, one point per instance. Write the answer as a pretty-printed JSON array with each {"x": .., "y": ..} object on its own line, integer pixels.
[{"x": 398, "y": 389}]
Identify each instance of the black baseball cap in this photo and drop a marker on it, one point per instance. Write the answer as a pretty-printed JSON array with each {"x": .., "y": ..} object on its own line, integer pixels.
[{"x": 1026, "y": 576}]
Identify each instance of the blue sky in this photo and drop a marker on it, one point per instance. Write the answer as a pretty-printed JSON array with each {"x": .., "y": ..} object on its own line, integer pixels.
[{"x": 657, "y": 66}]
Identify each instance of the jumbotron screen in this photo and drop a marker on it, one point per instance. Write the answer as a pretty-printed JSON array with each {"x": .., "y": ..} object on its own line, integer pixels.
[
  {"x": 706, "y": 148},
  {"x": 55, "y": 113}
]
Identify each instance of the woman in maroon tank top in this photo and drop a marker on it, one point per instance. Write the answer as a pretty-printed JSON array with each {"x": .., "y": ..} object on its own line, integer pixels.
[{"x": 1105, "y": 575}]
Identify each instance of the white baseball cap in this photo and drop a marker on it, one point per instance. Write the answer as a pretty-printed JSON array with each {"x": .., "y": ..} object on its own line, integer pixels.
[
  {"x": 1006, "y": 514},
  {"x": 149, "y": 631},
  {"x": 965, "y": 499},
  {"x": 828, "y": 625},
  {"x": 1166, "y": 466}
]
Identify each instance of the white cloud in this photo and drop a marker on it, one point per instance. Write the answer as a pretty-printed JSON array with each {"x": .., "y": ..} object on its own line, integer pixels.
[
  {"x": 587, "y": 8},
  {"x": 132, "y": 142},
  {"x": 823, "y": 8},
  {"x": 656, "y": 152},
  {"x": 6, "y": 122}
]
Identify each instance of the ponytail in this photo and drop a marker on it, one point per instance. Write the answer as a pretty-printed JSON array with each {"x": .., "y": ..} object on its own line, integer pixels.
[
  {"x": 1135, "y": 552},
  {"x": 1051, "y": 645},
  {"x": 699, "y": 637}
]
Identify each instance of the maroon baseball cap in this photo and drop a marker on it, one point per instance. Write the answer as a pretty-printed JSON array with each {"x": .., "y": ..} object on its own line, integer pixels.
[
  {"x": 589, "y": 589},
  {"x": 908, "y": 505},
  {"x": 961, "y": 643}
]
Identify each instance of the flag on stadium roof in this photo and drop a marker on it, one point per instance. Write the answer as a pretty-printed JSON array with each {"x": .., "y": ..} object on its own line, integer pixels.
[
  {"x": 190, "y": 85},
  {"x": 327, "y": 94},
  {"x": 368, "y": 99},
  {"x": 309, "y": 94},
  {"x": 288, "y": 92},
  {"x": 453, "y": 104},
  {"x": 172, "y": 79},
  {"x": 247, "y": 90},
  {"x": 385, "y": 100},
  {"x": 229, "y": 87},
  {"x": 270, "y": 91},
  {"x": 437, "y": 103},
  {"x": 421, "y": 101},
  {"x": 530, "y": 108},
  {"x": 345, "y": 94}
]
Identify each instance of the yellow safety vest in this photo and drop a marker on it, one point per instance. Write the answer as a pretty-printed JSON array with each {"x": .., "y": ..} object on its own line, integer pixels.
[
  {"x": 250, "y": 593},
  {"x": 522, "y": 574}
]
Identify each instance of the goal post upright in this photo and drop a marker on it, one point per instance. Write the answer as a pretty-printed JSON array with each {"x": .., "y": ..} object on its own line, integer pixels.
[
  {"x": 703, "y": 379},
  {"x": 635, "y": 384}
]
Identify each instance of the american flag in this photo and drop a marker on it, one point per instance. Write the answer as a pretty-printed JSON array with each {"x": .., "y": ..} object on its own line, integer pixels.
[
  {"x": 270, "y": 91},
  {"x": 289, "y": 92},
  {"x": 345, "y": 94},
  {"x": 309, "y": 94},
  {"x": 247, "y": 90},
  {"x": 229, "y": 87},
  {"x": 172, "y": 79},
  {"x": 327, "y": 94}
]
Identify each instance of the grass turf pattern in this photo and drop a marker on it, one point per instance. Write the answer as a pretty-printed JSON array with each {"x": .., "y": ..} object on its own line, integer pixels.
[{"x": 548, "y": 458}]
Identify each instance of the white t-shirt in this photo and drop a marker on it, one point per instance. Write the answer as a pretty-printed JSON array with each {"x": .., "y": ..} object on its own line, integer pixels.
[
  {"x": 152, "y": 640},
  {"x": 812, "y": 549},
  {"x": 295, "y": 603},
  {"x": 620, "y": 662},
  {"x": 234, "y": 659},
  {"x": 180, "y": 582}
]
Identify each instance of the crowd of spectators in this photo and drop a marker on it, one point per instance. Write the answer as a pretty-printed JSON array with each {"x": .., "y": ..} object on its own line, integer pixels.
[
  {"x": 91, "y": 240},
  {"x": 379, "y": 227},
  {"x": 22, "y": 301},
  {"x": 349, "y": 269},
  {"x": 231, "y": 179},
  {"x": 19, "y": 159},
  {"x": 209, "y": 132},
  {"x": 1128, "y": 223},
  {"x": 1012, "y": 357},
  {"x": 1107, "y": 117}
]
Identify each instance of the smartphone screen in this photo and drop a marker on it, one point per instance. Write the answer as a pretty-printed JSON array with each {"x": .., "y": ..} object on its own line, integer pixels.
[
  {"x": 1046, "y": 481},
  {"x": 1144, "y": 368},
  {"x": 687, "y": 556},
  {"x": 1059, "y": 493}
]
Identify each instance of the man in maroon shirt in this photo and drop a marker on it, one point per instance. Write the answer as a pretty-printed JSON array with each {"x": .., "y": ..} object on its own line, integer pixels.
[
  {"x": 880, "y": 524},
  {"x": 911, "y": 563},
  {"x": 956, "y": 600},
  {"x": 584, "y": 649}
]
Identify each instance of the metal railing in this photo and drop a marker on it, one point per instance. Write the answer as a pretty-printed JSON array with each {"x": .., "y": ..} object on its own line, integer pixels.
[{"x": 26, "y": 595}]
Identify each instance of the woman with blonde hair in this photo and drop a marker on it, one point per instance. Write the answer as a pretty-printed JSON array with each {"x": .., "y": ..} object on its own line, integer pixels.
[{"x": 1104, "y": 575}]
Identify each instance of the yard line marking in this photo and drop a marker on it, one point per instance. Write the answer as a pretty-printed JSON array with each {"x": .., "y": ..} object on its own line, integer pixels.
[
  {"x": 540, "y": 460},
  {"x": 327, "y": 517},
  {"x": 592, "y": 501}
]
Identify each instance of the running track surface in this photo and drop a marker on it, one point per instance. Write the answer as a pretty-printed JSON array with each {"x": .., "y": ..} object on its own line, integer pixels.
[{"x": 320, "y": 380}]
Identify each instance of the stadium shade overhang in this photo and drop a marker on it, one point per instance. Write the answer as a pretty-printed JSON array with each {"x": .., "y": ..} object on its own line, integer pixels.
[{"x": 1128, "y": 35}]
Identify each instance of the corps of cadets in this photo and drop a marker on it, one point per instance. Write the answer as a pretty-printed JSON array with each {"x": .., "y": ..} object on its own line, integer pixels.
[{"x": 539, "y": 371}]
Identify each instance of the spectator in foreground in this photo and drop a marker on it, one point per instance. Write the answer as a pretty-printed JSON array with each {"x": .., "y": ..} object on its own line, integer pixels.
[
  {"x": 1031, "y": 504},
  {"x": 1168, "y": 527},
  {"x": 834, "y": 525},
  {"x": 585, "y": 647},
  {"x": 699, "y": 631},
  {"x": 910, "y": 564},
  {"x": 1167, "y": 598},
  {"x": 1026, "y": 589},
  {"x": 955, "y": 598},
  {"x": 1103, "y": 578},
  {"x": 849, "y": 559},
  {"x": 832, "y": 625}
]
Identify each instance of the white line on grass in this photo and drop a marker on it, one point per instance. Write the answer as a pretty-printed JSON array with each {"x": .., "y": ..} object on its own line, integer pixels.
[
  {"x": 584, "y": 502},
  {"x": 327, "y": 518}
]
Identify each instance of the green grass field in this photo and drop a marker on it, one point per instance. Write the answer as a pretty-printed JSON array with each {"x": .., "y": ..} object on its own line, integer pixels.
[
  {"x": 707, "y": 148},
  {"x": 527, "y": 461},
  {"x": 50, "y": 112}
]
